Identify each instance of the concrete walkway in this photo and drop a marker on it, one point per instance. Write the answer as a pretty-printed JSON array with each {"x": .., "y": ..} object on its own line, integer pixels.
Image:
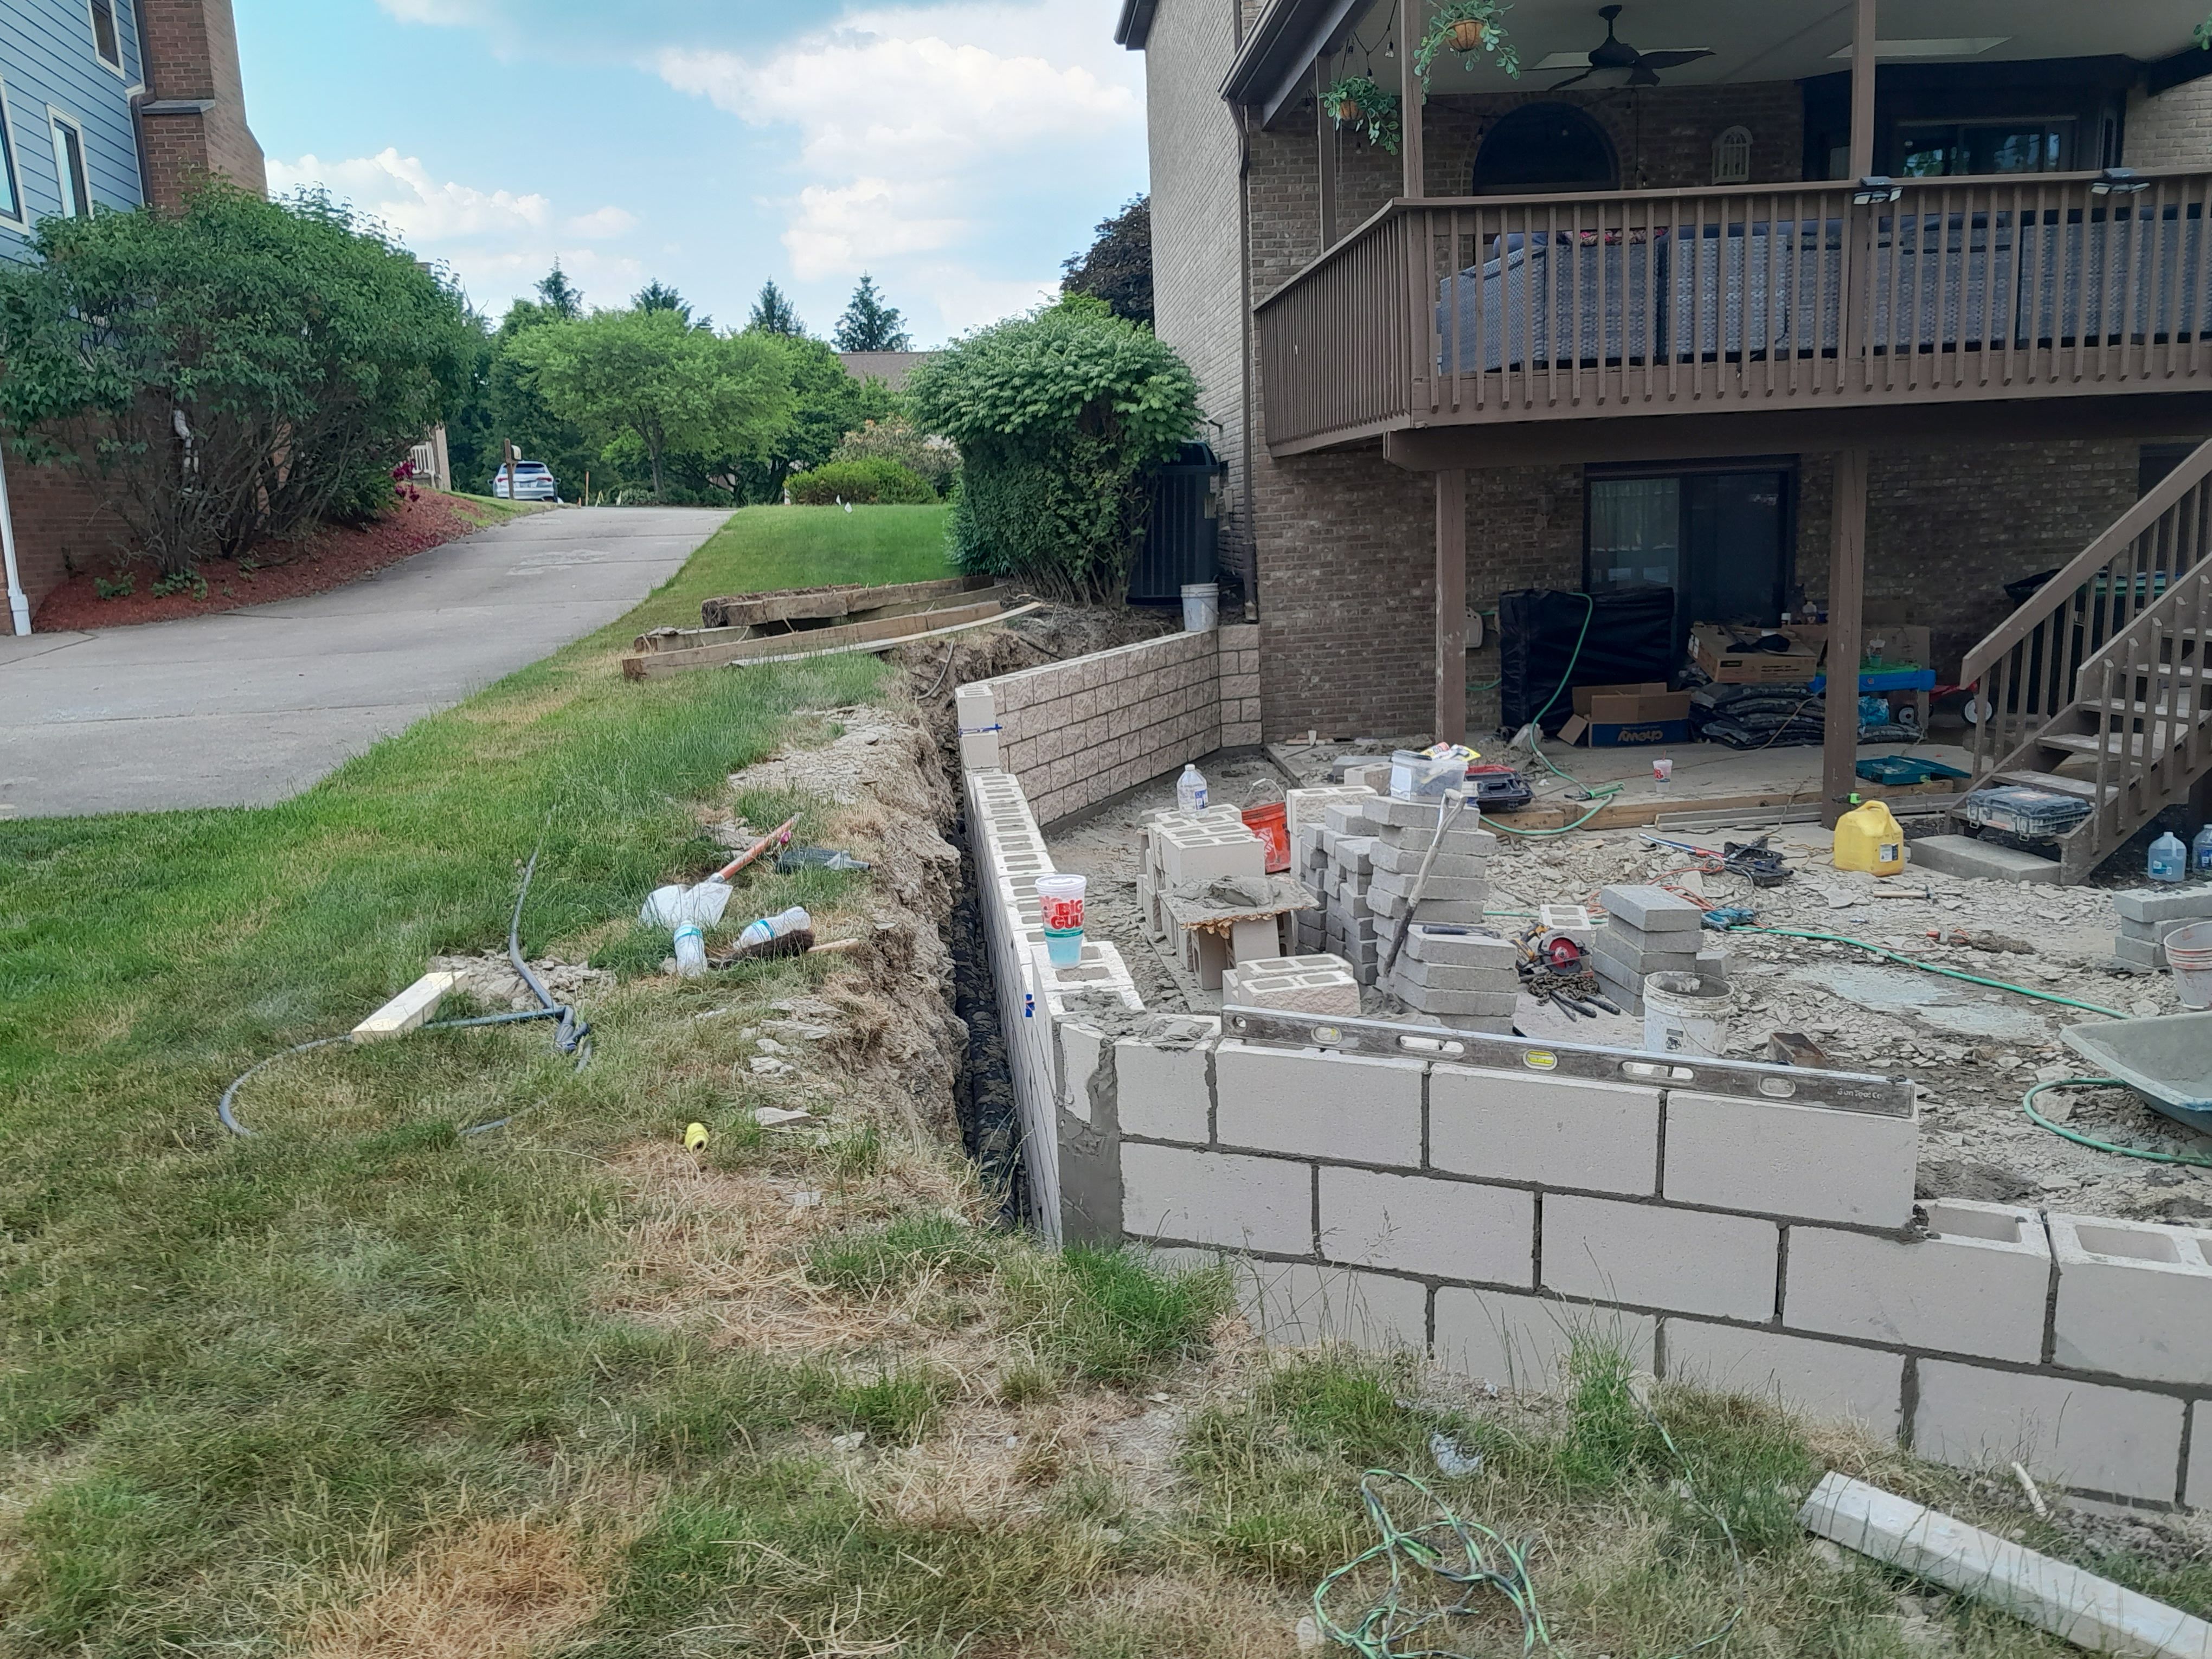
[{"x": 250, "y": 707}]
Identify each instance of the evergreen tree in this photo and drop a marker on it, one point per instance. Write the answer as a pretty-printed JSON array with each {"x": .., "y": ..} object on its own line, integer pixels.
[
  {"x": 559, "y": 295},
  {"x": 657, "y": 295},
  {"x": 773, "y": 313},
  {"x": 1117, "y": 267},
  {"x": 869, "y": 324}
]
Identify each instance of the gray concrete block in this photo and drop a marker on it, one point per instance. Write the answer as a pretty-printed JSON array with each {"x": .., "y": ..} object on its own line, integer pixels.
[
  {"x": 1524, "y": 1342},
  {"x": 1457, "y": 913},
  {"x": 2081, "y": 1434},
  {"x": 1454, "y": 976},
  {"x": 1630, "y": 959},
  {"x": 1215, "y": 1197},
  {"x": 1494, "y": 1004},
  {"x": 1520, "y": 1125},
  {"x": 2139, "y": 954},
  {"x": 1295, "y": 1304},
  {"x": 1981, "y": 860},
  {"x": 1809, "y": 1163},
  {"x": 1652, "y": 909},
  {"x": 1683, "y": 1260},
  {"x": 2135, "y": 1297},
  {"x": 1418, "y": 814},
  {"x": 2191, "y": 901},
  {"x": 1834, "y": 1379},
  {"x": 1303, "y": 1100},
  {"x": 1435, "y": 887},
  {"x": 1460, "y": 947},
  {"x": 1438, "y": 1229},
  {"x": 1976, "y": 1283},
  {"x": 1406, "y": 861}
]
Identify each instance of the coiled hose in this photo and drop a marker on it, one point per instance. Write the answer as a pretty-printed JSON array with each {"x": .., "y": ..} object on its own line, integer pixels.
[{"x": 572, "y": 1035}]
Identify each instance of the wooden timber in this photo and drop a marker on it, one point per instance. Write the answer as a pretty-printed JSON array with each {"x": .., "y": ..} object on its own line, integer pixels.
[
  {"x": 794, "y": 605},
  {"x": 881, "y": 635},
  {"x": 661, "y": 640}
]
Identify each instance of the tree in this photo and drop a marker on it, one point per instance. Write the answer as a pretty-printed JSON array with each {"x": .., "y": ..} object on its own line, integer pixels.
[
  {"x": 644, "y": 386},
  {"x": 773, "y": 313},
  {"x": 559, "y": 295},
  {"x": 226, "y": 376},
  {"x": 827, "y": 404},
  {"x": 657, "y": 295},
  {"x": 1060, "y": 416},
  {"x": 1118, "y": 266},
  {"x": 869, "y": 324}
]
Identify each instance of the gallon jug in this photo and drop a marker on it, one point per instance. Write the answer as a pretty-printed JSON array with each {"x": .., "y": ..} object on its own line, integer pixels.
[
  {"x": 2169, "y": 859},
  {"x": 1191, "y": 791},
  {"x": 2200, "y": 854},
  {"x": 1870, "y": 839}
]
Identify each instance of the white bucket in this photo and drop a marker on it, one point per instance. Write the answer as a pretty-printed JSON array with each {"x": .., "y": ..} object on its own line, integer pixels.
[
  {"x": 1201, "y": 607},
  {"x": 2188, "y": 953},
  {"x": 1685, "y": 1014}
]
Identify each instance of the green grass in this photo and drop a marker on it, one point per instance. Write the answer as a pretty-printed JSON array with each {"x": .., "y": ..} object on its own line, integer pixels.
[{"x": 770, "y": 547}]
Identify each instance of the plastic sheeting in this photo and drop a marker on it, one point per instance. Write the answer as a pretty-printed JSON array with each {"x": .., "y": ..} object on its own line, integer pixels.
[{"x": 1631, "y": 642}]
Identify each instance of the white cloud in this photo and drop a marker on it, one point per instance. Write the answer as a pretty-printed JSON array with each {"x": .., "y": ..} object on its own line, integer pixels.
[{"x": 609, "y": 220}]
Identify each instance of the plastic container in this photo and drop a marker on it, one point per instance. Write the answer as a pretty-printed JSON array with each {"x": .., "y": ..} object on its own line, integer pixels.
[
  {"x": 2188, "y": 953},
  {"x": 691, "y": 950},
  {"x": 1191, "y": 791},
  {"x": 1870, "y": 838},
  {"x": 2169, "y": 859},
  {"x": 1062, "y": 897},
  {"x": 1687, "y": 1014},
  {"x": 2031, "y": 814},
  {"x": 776, "y": 927},
  {"x": 1272, "y": 823},
  {"x": 671, "y": 907},
  {"x": 1201, "y": 607},
  {"x": 1416, "y": 776},
  {"x": 2200, "y": 854}
]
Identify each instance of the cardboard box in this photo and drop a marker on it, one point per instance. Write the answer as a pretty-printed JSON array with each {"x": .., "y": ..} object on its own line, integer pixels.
[
  {"x": 1623, "y": 716},
  {"x": 1897, "y": 644},
  {"x": 1716, "y": 654}
]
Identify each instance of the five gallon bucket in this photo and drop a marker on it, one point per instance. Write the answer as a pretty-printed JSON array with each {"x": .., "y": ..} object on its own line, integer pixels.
[
  {"x": 1687, "y": 1014},
  {"x": 2188, "y": 953},
  {"x": 1201, "y": 607}
]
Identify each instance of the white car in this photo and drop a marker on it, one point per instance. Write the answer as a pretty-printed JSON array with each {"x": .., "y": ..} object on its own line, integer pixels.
[{"x": 533, "y": 481}]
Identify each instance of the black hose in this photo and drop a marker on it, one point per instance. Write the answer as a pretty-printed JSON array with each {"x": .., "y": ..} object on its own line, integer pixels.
[{"x": 573, "y": 1036}]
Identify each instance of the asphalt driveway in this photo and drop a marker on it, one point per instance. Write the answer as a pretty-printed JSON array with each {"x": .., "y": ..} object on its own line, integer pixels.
[{"x": 249, "y": 706}]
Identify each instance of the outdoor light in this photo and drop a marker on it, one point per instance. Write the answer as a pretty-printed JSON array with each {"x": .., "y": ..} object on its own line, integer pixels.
[
  {"x": 1877, "y": 187},
  {"x": 2118, "y": 181}
]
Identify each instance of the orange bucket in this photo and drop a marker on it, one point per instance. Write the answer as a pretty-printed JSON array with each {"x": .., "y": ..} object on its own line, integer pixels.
[{"x": 1273, "y": 825}]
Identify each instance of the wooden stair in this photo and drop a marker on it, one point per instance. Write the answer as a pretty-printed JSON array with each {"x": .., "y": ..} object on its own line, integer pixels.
[{"x": 2095, "y": 687}]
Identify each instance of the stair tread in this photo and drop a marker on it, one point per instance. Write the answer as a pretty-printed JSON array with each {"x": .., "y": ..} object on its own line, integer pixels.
[
  {"x": 2057, "y": 784},
  {"x": 2139, "y": 745}
]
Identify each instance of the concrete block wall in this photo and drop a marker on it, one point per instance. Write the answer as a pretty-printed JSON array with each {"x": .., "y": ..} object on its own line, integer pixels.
[
  {"x": 1487, "y": 1216},
  {"x": 1077, "y": 733}
]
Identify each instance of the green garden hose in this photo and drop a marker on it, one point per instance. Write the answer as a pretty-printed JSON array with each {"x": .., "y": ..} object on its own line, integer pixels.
[
  {"x": 1598, "y": 797},
  {"x": 2027, "y": 1105}
]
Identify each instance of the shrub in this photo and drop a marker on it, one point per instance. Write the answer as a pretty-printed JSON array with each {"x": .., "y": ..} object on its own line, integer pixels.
[
  {"x": 227, "y": 375},
  {"x": 934, "y": 460},
  {"x": 873, "y": 480},
  {"x": 1060, "y": 417}
]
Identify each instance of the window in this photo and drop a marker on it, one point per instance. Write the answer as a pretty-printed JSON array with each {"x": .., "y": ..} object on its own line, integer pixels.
[
  {"x": 69, "y": 167},
  {"x": 11, "y": 190},
  {"x": 1732, "y": 157},
  {"x": 1543, "y": 147},
  {"x": 1949, "y": 150},
  {"x": 107, "y": 38},
  {"x": 1719, "y": 537}
]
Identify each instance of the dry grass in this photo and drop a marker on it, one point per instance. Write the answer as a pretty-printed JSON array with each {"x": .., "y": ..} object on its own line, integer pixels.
[{"x": 497, "y": 1589}]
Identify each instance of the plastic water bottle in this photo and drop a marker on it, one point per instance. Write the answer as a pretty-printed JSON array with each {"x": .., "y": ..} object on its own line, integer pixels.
[
  {"x": 2169, "y": 859},
  {"x": 2200, "y": 853},
  {"x": 776, "y": 927},
  {"x": 1190, "y": 790},
  {"x": 691, "y": 950}
]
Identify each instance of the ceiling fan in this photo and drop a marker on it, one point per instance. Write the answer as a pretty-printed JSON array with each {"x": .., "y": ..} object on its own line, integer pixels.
[{"x": 1642, "y": 67}]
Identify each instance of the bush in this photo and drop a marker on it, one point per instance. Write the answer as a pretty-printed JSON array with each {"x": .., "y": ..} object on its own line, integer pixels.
[
  {"x": 248, "y": 367},
  {"x": 873, "y": 480},
  {"x": 936, "y": 461},
  {"x": 1060, "y": 417}
]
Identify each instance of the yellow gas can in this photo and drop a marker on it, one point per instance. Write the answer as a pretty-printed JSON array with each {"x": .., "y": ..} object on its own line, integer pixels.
[{"x": 1868, "y": 838}]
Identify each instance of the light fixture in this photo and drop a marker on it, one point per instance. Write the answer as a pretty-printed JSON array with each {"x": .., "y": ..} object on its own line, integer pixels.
[
  {"x": 1877, "y": 187},
  {"x": 2118, "y": 181}
]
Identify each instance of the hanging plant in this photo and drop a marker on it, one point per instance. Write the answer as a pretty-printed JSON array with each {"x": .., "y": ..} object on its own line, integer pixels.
[
  {"x": 1468, "y": 27},
  {"x": 1358, "y": 104}
]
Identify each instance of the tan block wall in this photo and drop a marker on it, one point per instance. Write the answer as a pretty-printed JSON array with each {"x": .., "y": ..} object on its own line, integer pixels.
[{"x": 2173, "y": 130}]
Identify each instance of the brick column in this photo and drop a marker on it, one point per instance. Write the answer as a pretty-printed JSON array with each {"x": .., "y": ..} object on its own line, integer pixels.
[{"x": 192, "y": 121}]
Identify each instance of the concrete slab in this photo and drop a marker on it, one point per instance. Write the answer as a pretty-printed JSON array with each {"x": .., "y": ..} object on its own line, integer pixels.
[{"x": 1982, "y": 861}]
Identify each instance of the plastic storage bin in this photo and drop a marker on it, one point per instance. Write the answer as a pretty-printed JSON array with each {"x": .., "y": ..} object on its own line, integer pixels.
[{"x": 2031, "y": 814}]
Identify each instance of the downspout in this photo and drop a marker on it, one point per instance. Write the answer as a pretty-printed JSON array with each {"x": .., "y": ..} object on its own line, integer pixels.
[
  {"x": 1249, "y": 345},
  {"x": 19, "y": 602}
]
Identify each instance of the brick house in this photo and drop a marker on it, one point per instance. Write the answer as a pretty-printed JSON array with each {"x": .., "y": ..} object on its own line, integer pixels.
[
  {"x": 105, "y": 106},
  {"x": 1489, "y": 361}
]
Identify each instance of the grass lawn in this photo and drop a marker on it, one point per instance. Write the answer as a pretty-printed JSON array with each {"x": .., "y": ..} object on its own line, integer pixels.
[{"x": 363, "y": 1384}]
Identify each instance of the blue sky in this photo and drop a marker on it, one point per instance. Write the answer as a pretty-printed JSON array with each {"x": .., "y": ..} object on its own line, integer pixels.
[{"x": 956, "y": 149}]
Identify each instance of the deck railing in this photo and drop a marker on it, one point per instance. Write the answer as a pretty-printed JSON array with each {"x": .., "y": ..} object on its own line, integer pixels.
[{"x": 1470, "y": 310}]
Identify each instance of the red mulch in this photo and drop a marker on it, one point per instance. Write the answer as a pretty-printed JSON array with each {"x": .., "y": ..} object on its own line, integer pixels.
[{"x": 329, "y": 557}]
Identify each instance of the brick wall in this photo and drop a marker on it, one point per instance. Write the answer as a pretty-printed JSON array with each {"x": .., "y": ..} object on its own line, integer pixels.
[
  {"x": 190, "y": 50},
  {"x": 2173, "y": 130},
  {"x": 59, "y": 526}
]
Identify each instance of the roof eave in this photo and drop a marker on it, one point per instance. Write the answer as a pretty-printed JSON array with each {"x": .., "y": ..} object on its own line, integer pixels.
[{"x": 1134, "y": 28}]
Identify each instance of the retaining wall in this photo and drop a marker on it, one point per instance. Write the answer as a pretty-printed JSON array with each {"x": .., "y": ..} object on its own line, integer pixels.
[{"x": 1460, "y": 1198}]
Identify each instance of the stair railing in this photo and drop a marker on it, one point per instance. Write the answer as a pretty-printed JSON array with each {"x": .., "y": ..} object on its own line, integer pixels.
[
  {"x": 2029, "y": 666},
  {"x": 2151, "y": 675}
]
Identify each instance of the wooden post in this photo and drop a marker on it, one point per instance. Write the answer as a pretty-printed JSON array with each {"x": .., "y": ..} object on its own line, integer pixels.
[
  {"x": 1325, "y": 144},
  {"x": 1411, "y": 16},
  {"x": 1451, "y": 606},
  {"x": 1839, "y": 752},
  {"x": 1863, "y": 41}
]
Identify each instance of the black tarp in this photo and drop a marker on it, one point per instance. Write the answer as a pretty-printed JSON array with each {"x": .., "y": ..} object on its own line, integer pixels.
[{"x": 1631, "y": 642}]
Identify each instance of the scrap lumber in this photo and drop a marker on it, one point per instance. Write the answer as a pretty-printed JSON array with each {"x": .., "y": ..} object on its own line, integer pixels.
[
  {"x": 1639, "y": 813},
  {"x": 897, "y": 640},
  {"x": 410, "y": 1009},
  {"x": 882, "y": 634},
  {"x": 687, "y": 639},
  {"x": 2077, "y": 1607},
  {"x": 839, "y": 599}
]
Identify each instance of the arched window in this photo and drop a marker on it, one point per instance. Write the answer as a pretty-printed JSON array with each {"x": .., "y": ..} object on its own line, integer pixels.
[
  {"x": 1732, "y": 157},
  {"x": 1545, "y": 147}
]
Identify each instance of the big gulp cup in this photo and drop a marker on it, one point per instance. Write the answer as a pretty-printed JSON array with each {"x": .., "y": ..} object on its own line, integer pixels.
[{"x": 1061, "y": 895}]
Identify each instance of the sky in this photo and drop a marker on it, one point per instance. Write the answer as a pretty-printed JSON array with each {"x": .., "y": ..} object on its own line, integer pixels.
[{"x": 957, "y": 151}]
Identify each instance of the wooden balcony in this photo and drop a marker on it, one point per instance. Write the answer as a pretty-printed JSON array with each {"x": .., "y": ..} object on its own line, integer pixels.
[{"x": 1763, "y": 301}]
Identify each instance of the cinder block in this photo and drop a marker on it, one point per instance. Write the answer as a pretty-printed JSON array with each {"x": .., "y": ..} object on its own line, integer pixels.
[
  {"x": 1977, "y": 1285},
  {"x": 1311, "y": 985},
  {"x": 1603, "y": 1250},
  {"x": 1482, "y": 1005},
  {"x": 1814, "y": 1162},
  {"x": 1438, "y": 1229},
  {"x": 1259, "y": 940},
  {"x": 1525, "y": 1341},
  {"x": 2133, "y": 1298},
  {"x": 1554, "y": 1131},
  {"x": 1457, "y": 913},
  {"x": 1407, "y": 861},
  {"x": 2154, "y": 932},
  {"x": 1652, "y": 909},
  {"x": 1194, "y": 854},
  {"x": 2198, "y": 1494},
  {"x": 1328, "y": 1105},
  {"x": 2192, "y": 901},
  {"x": 1436, "y": 887},
  {"x": 1819, "y": 1379},
  {"x": 1217, "y": 1198},
  {"x": 979, "y": 751},
  {"x": 1631, "y": 960},
  {"x": 1465, "y": 843},
  {"x": 1348, "y": 818},
  {"x": 1306, "y": 807},
  {"x": 1420, "y": 814},
  {"x": 2086, "y": 1436},
  {"x": 2137, "y": 953},
  {"x": 1449, "y": 977},
  {"x": 1356, "y": 854},
  {"x": 1160, "y": 1082},
  {"x": 1078, "y": 1051},
  {"x": 1292, "y": 1304},
  {"x": 1461, "y": 947}
]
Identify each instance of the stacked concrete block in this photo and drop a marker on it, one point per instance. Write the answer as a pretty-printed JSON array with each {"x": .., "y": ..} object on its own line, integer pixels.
[
  {"x": 1192, "y": 852},
  {"x": 1307, "y": 808},
  {"x": 1457, "y": 887},
  {"x": 1976, "y": 1282},
  {"x": 1153, "y": 879},
  {"x": 978, "y": 714},
  {"x": 1349, "y": 925},
  {"x": 1462, "y": 977},
  {"x": 2148, "y": 914},
  {"x": 1301, "y": 985},
  {"x": 1648, "y": 930},
  {"x": 2134, "y": 1299}
]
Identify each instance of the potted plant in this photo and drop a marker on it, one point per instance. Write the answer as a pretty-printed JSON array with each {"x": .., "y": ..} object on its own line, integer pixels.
[
  {"x": 1357, "y": 104},
  {"x": 1468, "y": 27}
]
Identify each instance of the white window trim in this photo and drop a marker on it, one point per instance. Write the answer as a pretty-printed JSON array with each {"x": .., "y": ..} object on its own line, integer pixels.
[
  {"x": 56, "y": 121},
  {"x": 19, "y": 221},
  {"x": 115, "y": 11}
]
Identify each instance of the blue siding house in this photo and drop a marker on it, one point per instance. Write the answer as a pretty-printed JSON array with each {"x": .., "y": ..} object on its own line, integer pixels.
[{"x": 69, "y": 72}]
